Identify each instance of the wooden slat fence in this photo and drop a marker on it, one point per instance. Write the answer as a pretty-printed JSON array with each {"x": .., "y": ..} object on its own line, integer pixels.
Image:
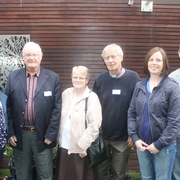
[{"x": 74, "y": 32}]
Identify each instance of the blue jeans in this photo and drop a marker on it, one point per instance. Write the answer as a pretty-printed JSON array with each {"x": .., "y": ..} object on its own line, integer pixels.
[
  {"x": 176, "y": 168},
  {"x": 157, "y": 166}
]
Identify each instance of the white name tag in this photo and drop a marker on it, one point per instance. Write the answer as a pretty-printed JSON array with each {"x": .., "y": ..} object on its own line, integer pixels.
[
  {"x": 48, "y": 93},
  {"x": 116, "y": 91}
]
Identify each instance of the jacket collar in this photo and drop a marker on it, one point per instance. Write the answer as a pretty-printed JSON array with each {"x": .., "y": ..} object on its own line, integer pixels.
[
  {"x": 85, "y": 94},
  {"x": 144, "y": 81}
]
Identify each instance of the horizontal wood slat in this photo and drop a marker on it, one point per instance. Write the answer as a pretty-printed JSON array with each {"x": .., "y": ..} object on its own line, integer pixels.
[{"x": 74, "y": 32}]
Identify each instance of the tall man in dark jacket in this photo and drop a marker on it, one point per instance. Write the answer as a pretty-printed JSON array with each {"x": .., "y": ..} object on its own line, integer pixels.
[
  {"x": 33, "y": 107},
  {"x": 114, "y": 89}
]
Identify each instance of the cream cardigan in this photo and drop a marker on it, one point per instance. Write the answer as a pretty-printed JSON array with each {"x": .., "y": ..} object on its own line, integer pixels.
[{"x": 78, "y": 135}]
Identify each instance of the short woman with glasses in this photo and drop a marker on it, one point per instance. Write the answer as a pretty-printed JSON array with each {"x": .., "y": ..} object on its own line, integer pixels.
[
  {"x": 154, "y": 118},
  {"x": 73, "y": 137}
]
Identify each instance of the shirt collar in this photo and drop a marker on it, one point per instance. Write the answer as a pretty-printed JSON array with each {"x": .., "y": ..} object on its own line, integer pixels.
[
  {"x": 117, "y": 75},
  {"x": 37, "y": 73}
]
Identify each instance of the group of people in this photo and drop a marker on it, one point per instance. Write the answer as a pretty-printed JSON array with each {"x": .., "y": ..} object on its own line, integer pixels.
[{"x": 129, "y": 110}]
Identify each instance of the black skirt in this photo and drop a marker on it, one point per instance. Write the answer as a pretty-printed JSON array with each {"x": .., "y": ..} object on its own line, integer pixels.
[{"x": 73, "y": 167}]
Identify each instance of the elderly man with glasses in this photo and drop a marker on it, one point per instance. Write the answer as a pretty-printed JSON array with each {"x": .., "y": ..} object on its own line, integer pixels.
[
  {"x": 114, "y": 89},
  {"x": 33, "y": 107}
]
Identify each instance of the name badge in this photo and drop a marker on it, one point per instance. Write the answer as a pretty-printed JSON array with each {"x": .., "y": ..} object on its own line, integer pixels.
[
  {"x": 48, "y": 93},
  {"x": 116, "y": 91}
]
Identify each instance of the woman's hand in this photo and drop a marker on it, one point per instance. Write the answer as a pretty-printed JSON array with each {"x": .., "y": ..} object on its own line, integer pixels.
[
  {"x": 141, "y": 145},
  {"x": 152, "y": 149},
  {"x": 83, "y": 154}
]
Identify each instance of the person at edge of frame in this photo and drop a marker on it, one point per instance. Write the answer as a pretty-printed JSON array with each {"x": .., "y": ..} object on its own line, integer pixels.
[
  {"x": 3, "y": 123},
  {"x": 176, "y": 168}
]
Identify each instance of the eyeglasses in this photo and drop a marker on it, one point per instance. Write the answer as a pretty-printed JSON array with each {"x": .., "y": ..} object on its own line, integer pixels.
[
  {"x": 31, "y": 55},
  {"x": 80, "y": 78},
  {"x": 113, "y": 57}
]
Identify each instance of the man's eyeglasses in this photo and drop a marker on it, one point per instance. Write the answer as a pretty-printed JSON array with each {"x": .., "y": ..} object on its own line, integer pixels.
[
  {"x": 113, "y": 57},
  {"x": 31, "y": 55}
]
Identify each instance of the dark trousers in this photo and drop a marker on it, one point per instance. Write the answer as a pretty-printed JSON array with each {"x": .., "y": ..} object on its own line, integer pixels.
[
  {"x": 1, "y": 153},
  {"x": 118, "y": 154},
  {"x": 24, "y": 159},
  {"x": 73, "y": 167}
]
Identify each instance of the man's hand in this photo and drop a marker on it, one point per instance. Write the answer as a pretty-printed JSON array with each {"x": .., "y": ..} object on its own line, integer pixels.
[
  {"x": 47, "y": 141},
  {"x": 13, "y": 141},
  {"x": 129, "y": 142}
]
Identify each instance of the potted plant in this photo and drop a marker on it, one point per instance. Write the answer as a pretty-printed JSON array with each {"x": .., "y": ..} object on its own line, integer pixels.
[{"x": 8, "y": 153}]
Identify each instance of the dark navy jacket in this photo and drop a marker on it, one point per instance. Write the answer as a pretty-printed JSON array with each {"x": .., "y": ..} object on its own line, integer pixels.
[
  {"x": 47, "y": 108},
  {"x": 164, "y": 108}
]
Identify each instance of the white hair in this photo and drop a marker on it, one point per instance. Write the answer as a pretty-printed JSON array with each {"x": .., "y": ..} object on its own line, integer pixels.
[
  {"x": 115, "y": 47},
  {"x": 32, "y": 44}
]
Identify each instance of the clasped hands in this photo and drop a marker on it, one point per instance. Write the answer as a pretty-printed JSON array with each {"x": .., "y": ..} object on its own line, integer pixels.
[{"x": 142, "y": 146}]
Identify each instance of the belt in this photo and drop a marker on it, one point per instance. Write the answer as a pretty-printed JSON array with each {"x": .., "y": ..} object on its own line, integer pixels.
[{"x": 32, "y": 129}]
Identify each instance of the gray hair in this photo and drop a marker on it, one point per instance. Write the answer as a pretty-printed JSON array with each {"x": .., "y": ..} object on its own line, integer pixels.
[
  {"x": 82, "y": 70},
  {"x": 30, "y": 44},
  {"x": 115, "y": 47}
]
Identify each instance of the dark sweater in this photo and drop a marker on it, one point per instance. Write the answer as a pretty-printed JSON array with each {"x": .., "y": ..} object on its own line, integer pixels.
[{"x": 115, "y": 105}]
